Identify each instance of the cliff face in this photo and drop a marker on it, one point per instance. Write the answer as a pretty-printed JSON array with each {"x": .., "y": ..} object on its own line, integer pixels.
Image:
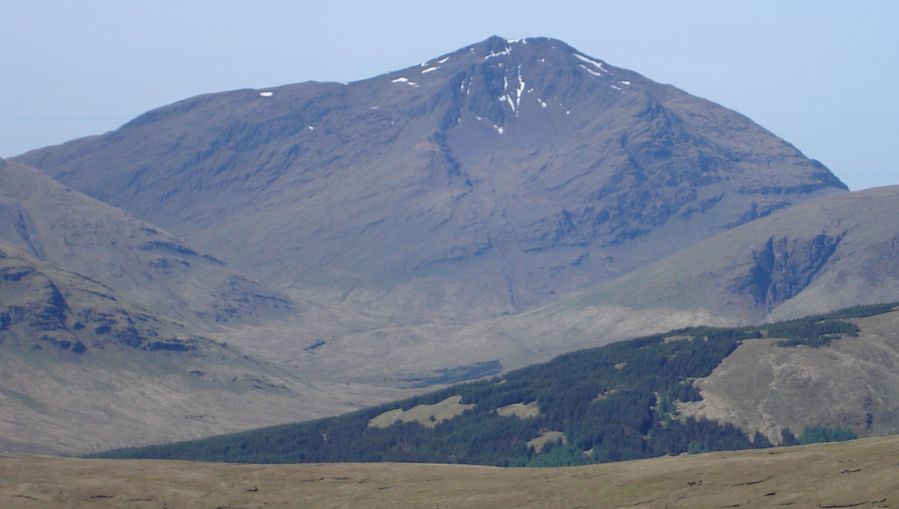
[{"x": 784, "y": 267}]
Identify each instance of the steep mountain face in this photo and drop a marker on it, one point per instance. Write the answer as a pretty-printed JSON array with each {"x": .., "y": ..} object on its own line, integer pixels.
[
  {"x": 147, "y": 265},
  {"x": 485, "y": 181},
  {"x": 82, "y": 367},
  {"x": 826, "y": 254}
]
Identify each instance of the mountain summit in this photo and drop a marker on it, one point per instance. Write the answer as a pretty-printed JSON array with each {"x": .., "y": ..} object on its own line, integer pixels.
[{"x": 481, "y": 182}]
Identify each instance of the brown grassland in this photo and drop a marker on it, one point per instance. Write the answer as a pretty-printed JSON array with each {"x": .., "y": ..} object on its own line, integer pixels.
[{"x": 861, "y": 473}]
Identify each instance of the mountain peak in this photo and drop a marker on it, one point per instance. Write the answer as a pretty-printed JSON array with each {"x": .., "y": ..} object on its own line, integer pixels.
[
  {"x": 497, "y": 80},
  {"x": 495, "y": 42},
  {"x": 499, "y": 51}
]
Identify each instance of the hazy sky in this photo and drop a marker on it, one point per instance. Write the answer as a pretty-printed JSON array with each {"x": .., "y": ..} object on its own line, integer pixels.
[{"x": 822, "y": 74}]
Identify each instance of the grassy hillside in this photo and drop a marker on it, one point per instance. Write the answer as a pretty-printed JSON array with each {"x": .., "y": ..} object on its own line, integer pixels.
[
  {"x": 859, "y": 473},
  {"x": 84, "y": 368},
  {"x": 613, "y": 403}
]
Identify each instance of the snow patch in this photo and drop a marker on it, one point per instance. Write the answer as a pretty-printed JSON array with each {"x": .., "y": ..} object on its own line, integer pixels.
[
  {"x": 518, "y": 92},
  {"x": 595, "y": 63},
  {"x": 311, "y": 128},
  {"x": 615, "y": 87},
  {"x": 494, "y": 54},
  {"x": 406, "y": 81},
  {"x": 443, "y": 60},
  {"x": 506, "y": 98},
  {"x": 498, "y": 128},
  {"x": 266, "y": 93},
  {"x": 625, "y": 82},
  {"x": 430, "y": 69},
  {"x": 542, "y": 104},
  {"x": 591, "y": 71}
]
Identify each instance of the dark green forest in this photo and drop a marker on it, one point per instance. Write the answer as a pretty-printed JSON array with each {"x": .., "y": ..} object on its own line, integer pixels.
[{"x": 613, "y": 403}]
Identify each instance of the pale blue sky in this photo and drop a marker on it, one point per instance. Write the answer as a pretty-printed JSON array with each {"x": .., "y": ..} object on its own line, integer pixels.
[{"x": 821, "y": 74}]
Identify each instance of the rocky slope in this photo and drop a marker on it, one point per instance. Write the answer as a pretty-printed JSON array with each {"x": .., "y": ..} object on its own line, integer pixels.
[{"x": 485, "y": 181}]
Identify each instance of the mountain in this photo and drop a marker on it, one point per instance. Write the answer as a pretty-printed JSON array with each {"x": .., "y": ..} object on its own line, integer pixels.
[
  {"x": 83, "y": 367},
  {"x": 485, "y": 181},
  {"x": 859, "y": 473},
  {"x": 816, "y": 257},
  {"x": 688, "y": 390},
  {"x": 151, "y": 267}
]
